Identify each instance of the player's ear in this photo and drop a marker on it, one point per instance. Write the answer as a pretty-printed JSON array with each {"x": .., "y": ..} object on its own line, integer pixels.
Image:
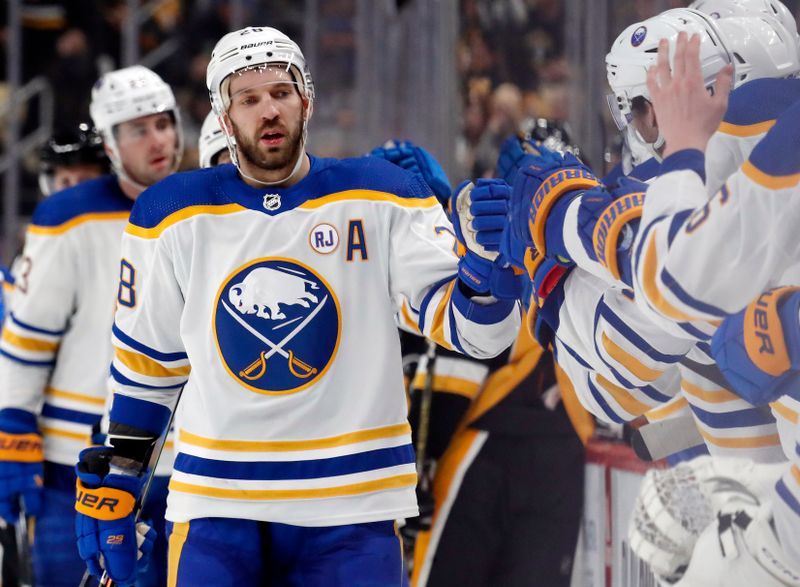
[
  {"x": 225, "y": 123},
  {"x": 308, "y": 109},
  {"x": 650, "y": 115},
  {"x": 108, "y": 151}
]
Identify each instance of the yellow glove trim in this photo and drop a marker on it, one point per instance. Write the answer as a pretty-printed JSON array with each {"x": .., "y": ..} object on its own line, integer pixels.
[{"x": 103, "y": 503}]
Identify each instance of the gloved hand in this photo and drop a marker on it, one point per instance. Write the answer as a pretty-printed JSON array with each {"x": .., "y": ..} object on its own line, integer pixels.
[
  {"x": 512, "y": 153},
  {"x": 542, "y": 180},
  {"x": 758, "y": 349},
  {"x": 478, "y": 213},
  {"x": 108, "y": 535},
  {"x": 417, "y": 160},
  {"x": 608, "y": 220},
  {"x": 21, "y": 468}
]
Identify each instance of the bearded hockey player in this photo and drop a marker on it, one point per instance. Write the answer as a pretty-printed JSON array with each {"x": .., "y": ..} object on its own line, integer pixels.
[
  {"x": 55, "y": 351},
  {"x": 267, "y": 290}
]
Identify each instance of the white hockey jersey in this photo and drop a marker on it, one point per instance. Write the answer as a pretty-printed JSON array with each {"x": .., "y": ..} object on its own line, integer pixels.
[
  {"x": 55, "y": 343},
  {"x": 697, "y": 261},
  {"x": 752, "y": 111},
  {"x": 622, "y": 366},
  {"x": 275, "y": 309}
]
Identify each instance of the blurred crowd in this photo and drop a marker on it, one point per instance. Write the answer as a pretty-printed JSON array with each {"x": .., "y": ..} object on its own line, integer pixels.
[
  {"x": 72, "y": 43},
  {"x": 512, "y": 65},
  {"x": 511, "y": 58}
]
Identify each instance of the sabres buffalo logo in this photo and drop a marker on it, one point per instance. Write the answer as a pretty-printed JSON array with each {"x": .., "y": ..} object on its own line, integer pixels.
[{"x": 277, "y": 325}]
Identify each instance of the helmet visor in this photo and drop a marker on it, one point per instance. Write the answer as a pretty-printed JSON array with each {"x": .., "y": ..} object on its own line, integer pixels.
[{"x": 280, "y": 76}]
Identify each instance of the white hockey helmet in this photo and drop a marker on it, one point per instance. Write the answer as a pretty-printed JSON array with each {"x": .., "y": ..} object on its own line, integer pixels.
[
  {"x": 727, "y": 8},
  {"x": 761, "y": 47},
  {"x": 212, "y": 140},
  {"x": 636, "y": 49},
  {"x": 127, "y": 94},
  {"x": 257, "y": 48}
]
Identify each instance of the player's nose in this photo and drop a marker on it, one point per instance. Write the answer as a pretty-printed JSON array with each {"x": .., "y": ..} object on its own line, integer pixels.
[{"x": 270, "y": 110}]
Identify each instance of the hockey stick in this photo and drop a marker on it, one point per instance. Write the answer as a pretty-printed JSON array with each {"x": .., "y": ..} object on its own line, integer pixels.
[
  {"x": 105, "y": 580},
  {"x": 24, "y": 559},
  {"x": 659, "y": 440},
  {"x": 426, "y": 399}
]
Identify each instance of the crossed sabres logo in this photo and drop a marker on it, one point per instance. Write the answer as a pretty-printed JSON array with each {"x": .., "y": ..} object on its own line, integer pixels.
[{"x": 277, "y": 325}]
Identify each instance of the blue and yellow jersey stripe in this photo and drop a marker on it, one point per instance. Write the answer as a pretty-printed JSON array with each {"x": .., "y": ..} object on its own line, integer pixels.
[
  {"x": 78, "y": 221},
  {"x": 28, "y": 344},
  {"x": 351, "y": 463}
]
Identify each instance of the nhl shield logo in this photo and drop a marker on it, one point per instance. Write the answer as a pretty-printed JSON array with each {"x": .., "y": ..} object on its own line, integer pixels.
[
  {"x": 277, "y": 325},
  {"x": 272, "y": 202}
]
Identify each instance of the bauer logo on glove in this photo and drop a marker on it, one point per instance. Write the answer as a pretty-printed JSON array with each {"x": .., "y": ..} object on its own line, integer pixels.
[
  {"x": 758, "y": 349},
  {"x": 764, "y": 334},
  {"x": 103, "y": 503}
]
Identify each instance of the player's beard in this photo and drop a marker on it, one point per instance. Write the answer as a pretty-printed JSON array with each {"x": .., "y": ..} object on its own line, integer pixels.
[{"x": 270, "y": 158}]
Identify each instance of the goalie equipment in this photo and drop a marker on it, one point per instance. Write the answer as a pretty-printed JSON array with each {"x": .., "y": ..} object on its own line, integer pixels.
[
  {"x": 675, "y": 506},
  {"x": 212, "y": 141},
  {"x": 255, "y": 48},
  {"x": 127, "y": 94},
  {"x": 740, "y": 549}
]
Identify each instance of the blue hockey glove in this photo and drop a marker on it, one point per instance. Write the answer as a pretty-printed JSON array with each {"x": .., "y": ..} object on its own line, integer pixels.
[
  {"x": 105, "y": 524},
  {"x": 478, "y": 213},
  {"x": 417, "y": 160},
  {"x": 512, "y": 152},
  {"x": 21, "y": 464},
  {"x": 607, "y": 225},
  {"x": 542, "y": 180},
  {"x": 758, "y": 349},
  {"x": 546, "y": 286}
]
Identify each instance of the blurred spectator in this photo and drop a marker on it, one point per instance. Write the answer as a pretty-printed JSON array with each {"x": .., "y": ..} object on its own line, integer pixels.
[
  {"x": 505, "y": 115},
  {"x": 510, "y": 56}
]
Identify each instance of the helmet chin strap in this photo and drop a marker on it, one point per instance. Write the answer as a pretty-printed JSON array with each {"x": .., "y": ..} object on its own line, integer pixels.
[{"x": 654, "y": 146}]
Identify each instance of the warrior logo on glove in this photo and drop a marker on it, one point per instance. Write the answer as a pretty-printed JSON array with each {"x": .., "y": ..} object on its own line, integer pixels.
[{"x": 277, "y": 325}]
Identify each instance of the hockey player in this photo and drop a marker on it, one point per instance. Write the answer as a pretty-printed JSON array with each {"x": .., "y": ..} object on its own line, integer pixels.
[
  {"x": 631, "y": 356},
  {"x": 751, "y": 547},
  {"x": 71, "y": 157},
  {"x": 760, "y": 44},
  {"x": 511, "y": 473},
  {"x": 55, "y": 358},
  {"x": 212, "y": 146},
  {"x": 267, "y": 291}
]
